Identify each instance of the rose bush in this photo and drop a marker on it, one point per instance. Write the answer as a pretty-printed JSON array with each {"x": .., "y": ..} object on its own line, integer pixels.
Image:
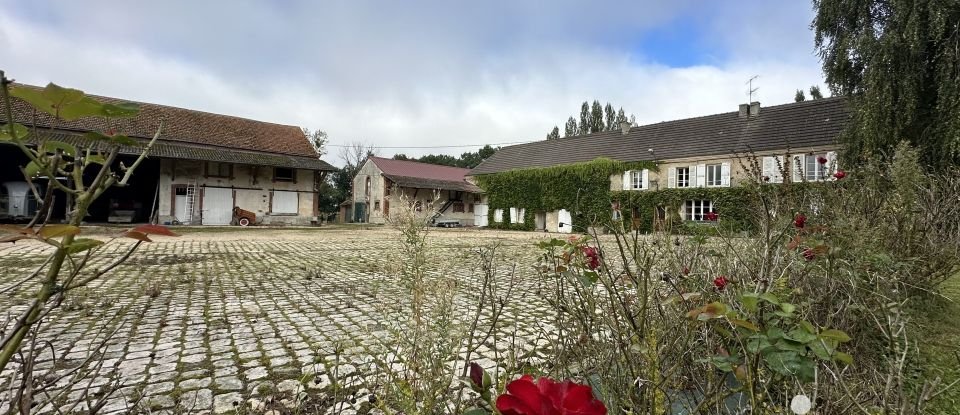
[{"x": 548, "y": 397}]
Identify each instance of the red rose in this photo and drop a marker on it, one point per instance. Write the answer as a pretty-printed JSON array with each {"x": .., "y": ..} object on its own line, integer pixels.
[
  {"x": 547, "y": 397},
  {"x": 592, "y": 257},
  {"x": 840, "y": 174},
  {"x": 720, "y": 282},
  {"x": 821, "y": 160},
  {"x": 799, "y": 220},
  {"x": 476, "y": 374},
  {"x": 711, "y": 216}
]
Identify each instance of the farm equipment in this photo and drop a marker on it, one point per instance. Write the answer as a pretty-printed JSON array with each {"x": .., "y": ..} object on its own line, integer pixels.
[{"x": 243, "y": 217}]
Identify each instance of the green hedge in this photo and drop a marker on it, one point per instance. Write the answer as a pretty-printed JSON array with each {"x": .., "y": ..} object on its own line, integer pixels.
[{"x": 584, "y": 190}]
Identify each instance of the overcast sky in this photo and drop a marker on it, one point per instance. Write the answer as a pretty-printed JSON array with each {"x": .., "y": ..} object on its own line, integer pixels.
[{"x": 417, "y": 73}]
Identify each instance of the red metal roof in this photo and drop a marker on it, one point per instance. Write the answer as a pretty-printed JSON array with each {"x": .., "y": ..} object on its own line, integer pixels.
[
  {"x": 425, "y": 175},
  {"x": 421, "y": 170}
]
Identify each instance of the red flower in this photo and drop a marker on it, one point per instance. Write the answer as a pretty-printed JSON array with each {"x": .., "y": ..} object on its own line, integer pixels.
[
  {"x": 840, "y": 174},
  {"x": 809, "y": 254},
  {"x": 799, "y": 220},
  {"x": 821, "y": 160},
  {"x": 476, "y": 374},
  {"x": 592, "y": 257},
  {"x": 711, "y": 216},
  {"x": 547, "y": 397},
  {"x": 720, "y": 282}
]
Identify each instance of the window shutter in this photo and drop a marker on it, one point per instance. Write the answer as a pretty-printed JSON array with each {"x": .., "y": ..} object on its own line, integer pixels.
[
  {"x": 672, "y": 177},
  {"x": 797, "y": 167},
  {"x": 701, "y": 175},
  {"x": 645, "y": 180},
  {"x": 725, "y": 174},
  {"x": 626, "y": 180}
]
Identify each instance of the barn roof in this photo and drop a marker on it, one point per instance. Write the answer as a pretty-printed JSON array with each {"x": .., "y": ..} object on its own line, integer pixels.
[
  {"x": 424, "y": 175},
  {"x": 191, "y": 134}
]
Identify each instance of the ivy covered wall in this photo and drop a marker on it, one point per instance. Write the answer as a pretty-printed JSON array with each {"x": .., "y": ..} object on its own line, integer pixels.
[{"x": 584, "y": 190}]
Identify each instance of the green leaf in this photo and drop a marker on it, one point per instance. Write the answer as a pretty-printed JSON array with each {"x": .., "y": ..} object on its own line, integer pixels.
[
  {"x": 834, "y": 334},
  {"x": 476, "y": 411},
  {"x": 32, "y": 169},
  {"x": 801, "y": 335},
  {"x": 788, "y": 308},
  {"x": 589, "y": 278},
  {"x": 745, "y": 324},
  {"x": 808, "y": 327},
  {"x": 843, "y": 358},
  {"x": 82, "y": 244},
  {"x": 52, "y": 147},
  {"x": 823, "y": 350},
  {"x": 19, "y": 132},
  {"x": 750, "y": 302},
  {"x": 96, "y": 158},
  {"x": 54, "y": 231},
  {"x": 70, "y": 104},
  {"x": 770, "y": 298}
]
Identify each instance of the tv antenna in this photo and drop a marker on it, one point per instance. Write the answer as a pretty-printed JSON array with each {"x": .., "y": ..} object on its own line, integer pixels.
[{"x": 750, "y": 88}]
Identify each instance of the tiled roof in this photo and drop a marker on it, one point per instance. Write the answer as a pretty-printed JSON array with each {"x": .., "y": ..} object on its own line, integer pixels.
[
  {"x": 185, "y": 151},
  {"x": 803, "y": 124},
  {"x": 182, "y": 125},
  {"x": 424, "y": 175}
]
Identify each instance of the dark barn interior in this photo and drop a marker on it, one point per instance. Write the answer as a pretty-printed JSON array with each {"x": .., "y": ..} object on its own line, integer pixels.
[{"x": 132, "y": 203}]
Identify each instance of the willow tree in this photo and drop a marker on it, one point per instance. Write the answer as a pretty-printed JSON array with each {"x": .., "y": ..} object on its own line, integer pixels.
[{"x": 899, "y": 63}]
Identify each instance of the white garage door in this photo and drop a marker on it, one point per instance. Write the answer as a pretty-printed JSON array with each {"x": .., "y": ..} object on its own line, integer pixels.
[
  {"x": 480, "y": 214},
  {"x": 217, "y": 206}
]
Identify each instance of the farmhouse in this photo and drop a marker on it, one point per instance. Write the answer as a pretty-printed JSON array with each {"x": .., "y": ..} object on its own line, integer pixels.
[
  {"x": 689, "y": 157},
  {"x": 381, "y": 181},
  {"x": 202, "y": 166}
]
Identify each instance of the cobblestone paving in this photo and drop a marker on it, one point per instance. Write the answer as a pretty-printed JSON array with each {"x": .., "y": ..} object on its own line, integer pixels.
[{"x": 244, "y": 321}]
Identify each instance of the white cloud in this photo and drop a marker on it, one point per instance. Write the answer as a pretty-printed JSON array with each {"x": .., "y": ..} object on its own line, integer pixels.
[{"x": 387, "y": 75}]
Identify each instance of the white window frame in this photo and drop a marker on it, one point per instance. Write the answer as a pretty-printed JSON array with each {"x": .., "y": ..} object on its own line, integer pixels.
[
  {"x": 714, "y": 175},
  {"x": 517, "y": 214},
  {"x": 636, "y": 179},
  {"x": 498, "y": 215},
  {"x": 696, "y": 209},
  {"x": 818, "y": 172},
  {"x": 683, "y": 176}
]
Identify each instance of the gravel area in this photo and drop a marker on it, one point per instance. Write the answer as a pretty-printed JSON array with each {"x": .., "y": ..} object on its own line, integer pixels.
[{"x": 254, "y": 320}]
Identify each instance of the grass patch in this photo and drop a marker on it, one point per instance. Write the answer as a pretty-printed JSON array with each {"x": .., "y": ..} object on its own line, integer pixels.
[{"x": 941, "y": 345}]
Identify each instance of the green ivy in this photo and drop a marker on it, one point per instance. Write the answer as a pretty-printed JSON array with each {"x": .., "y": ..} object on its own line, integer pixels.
[
  {"x": 584, "y": 190},
  {"x": 730, "y": 203}
]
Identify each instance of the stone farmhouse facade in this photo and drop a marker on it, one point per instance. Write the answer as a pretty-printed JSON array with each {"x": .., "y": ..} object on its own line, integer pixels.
[
  {"x": 713, "y": 151},
  {"x": 202, "y": 166},
  {"x": 380, "y": 182}
]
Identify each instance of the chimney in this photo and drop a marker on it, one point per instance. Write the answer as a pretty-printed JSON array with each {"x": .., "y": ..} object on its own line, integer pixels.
[
  {"x": 754, "y": 108},
  {"x": 744, "y": 110},
  {"x": 625, "y": 127}
]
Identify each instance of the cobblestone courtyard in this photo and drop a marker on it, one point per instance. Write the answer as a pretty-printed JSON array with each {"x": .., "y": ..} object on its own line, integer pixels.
[{"x": 245, "y": 321}]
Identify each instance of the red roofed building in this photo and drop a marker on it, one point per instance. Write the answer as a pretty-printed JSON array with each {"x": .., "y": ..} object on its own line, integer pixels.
[{"x": 380, "y": 181}]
